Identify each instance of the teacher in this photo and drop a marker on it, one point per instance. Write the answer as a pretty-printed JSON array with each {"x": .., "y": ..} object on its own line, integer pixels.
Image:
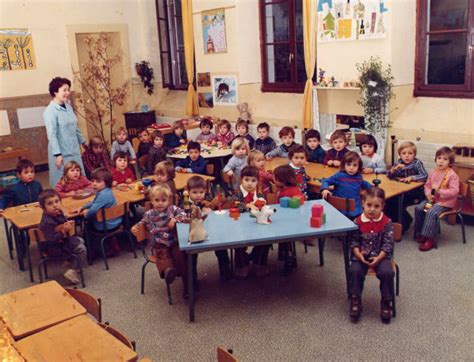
[{"x": 64, "y": 137}]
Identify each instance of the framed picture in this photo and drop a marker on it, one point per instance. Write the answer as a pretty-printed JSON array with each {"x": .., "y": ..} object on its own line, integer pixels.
[
  {"x": 213, "y": 31},
  {"x": 205, "y": 100},
  {"x": 224, "y": 90},
  {"x": 204, "y": 79}
]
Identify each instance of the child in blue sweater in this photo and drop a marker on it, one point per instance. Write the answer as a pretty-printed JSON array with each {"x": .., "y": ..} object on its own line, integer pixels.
[
  {"x": 240, "y": 150},
  {"x": 348, "y": 182},
  {"x": 313, "y": 147},
  {"x": 178, "y": 135},
  {"x": 194, "y": 162},
  {"x": 287, "y": 137}
]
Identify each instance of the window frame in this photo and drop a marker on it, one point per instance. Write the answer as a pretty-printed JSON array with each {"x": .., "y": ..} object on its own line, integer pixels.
[{"x": 442, "y": 90}]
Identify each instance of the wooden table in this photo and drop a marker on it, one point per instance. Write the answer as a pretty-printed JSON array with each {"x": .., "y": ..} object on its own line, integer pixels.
[
  {"x": 166, "y": 130},
  {"x": 78, "y": 339},
  {"x": 27, "y": 311},
  {"x": 207, "y": 152}
]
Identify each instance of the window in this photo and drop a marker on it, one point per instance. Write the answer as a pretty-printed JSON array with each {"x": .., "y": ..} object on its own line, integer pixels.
[
  {"x": 170, "y": 30},
  {"x": 282, "y": 51},
  {"x": 444, "y": 53}
]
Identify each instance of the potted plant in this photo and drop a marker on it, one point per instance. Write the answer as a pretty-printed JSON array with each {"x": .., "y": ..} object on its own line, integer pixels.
[{"x": 146, "y": 75}]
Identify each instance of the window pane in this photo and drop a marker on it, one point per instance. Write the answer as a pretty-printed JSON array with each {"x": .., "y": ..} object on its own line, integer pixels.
[
  {"x": 177, "y": 7},
  {"x": 447, "y": 14},
  {"x": 179, "y": 34},
  {"x": 300, "y": 68},
  {"x": 278, "y": 67},
  {"x": 164, "y": 35},
  {"x": 161, "y": 7},
  {"x": 276, "y": 22},
  {"x": 446, "y": 59},
  {"x": 183, "y": 80},
  {"x": 299, "y": 19},
  {"x": 166, "y": 68}
]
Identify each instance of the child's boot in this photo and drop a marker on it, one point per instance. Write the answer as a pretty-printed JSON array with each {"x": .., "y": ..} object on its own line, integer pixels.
[
  {"x": 420, "y": 239},
  {"x": 386, "y": 310},
  {"x": 427, "y": 245},
  {"x": 355, "y": 308}
]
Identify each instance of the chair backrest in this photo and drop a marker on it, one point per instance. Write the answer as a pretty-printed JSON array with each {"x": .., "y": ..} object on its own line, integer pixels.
[
  {"x": 224, "y": 355},
  {"x": 342, "y": 204},
  {"x": 142, "y": 234},
  {"x": 397, "y": 231},
  {"x": 119, "y": 335},
  {"x": 143, "y": 161},
  {"x": 112, "y": 212},
  {"x": 135, "y": 143},
  {"x": 272, "y": 198},
  {"x": 92, "y": 304},
  {"x": 228, "y": 180},
  {"x": 37, "y": 236},
  {"x": 210, "y": 169}
]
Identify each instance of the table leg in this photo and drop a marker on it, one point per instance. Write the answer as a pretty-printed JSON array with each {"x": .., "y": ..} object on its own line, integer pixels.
[
  {"x": 19, "y": 248},
  {"x": 9, "y": 239},
  {"x": 191, "y": 287},
  {"x": 345, "y": 250},
  {"x": 401, "y": 198}
]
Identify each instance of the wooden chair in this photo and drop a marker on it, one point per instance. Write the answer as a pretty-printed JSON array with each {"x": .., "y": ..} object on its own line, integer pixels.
[
  {"x": 135, "y": 143},
  {"x": 92, "y": 304},
  {"x": 456, "y": 211},
  {"x": 225, "y": 355},
  {"x": 119, "y": 335},
  {"x": 36, "y": 235},
  {"x": 228, "y": 182},
  {"x": 210, "y": 169}
]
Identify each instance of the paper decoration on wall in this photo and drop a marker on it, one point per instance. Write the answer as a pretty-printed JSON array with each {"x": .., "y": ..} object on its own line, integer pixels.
[
  {"x": 16, "y": 50},
  {"x": 351, "y": 20},
  {"x": 204, "y": 79},
  {"x": 224, "y": 90},
  {"x": 205, "y": 100},
  {"x": 213, "y": 31},
  {"x": 30, "y": 117},
  {"x": 4, "y": 123}
]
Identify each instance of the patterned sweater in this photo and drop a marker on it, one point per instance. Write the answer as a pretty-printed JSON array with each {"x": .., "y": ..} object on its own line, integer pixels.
[
  {"x": 301, "y": 178},
  {"x": 206, "y": 138},
  {"x": 225, "y": 139},
  {"x": 413, "y": 169},
  {"x": 92, "y": 161}
]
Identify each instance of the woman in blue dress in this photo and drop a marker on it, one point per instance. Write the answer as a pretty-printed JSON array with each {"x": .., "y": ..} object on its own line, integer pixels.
[{"x": 64, "y": 136}]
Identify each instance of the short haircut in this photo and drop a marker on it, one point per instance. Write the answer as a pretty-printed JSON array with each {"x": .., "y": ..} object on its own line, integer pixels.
[
  {"x": 285, "y": 131},
  {"x": 264, "y": 125},
  {"x": 241, "y": 122},
  {"x": 448, "y": 152},
  {"x": 121, "y": 130},
  {"x": 196, "y": 182},
  {"x": 254, "y": 155},
  {"x": 161, "y": 189},
  {"x": 177, "y": 124},
  {"x": 369, "y": 140},
  {"x": 194, "y": 146},
  {"x": 57, "y": 83},
  {"x": 312, "y": 133},
  {"x": 165, "y": 168},
  {"x": 223, "y": 122},
  {"x": 351, "y": 157},
  {"x": 239, "y": 142},
  {"x": 206, "y": 122},
  {"x": 24, "y": 164},
  {"x": 286, "y": 175},
  {"x": 406, "y": 144},
  {"x": 337, "y": 135},
  {"x": 374, "y": 192},
  {"x": 158, "y": 134},
  {"x": 96, "y": 141},
  {"x": 120, "y": 154},
  {"x": 102, "y": 174},
  {"x": 47, "y": 194},
  {"x": 249, "y": 171},
  {"x": 297, "y": 149}
]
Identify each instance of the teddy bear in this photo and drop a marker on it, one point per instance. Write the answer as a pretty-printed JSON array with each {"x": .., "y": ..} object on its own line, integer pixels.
[{"x": 243, "y": 108}]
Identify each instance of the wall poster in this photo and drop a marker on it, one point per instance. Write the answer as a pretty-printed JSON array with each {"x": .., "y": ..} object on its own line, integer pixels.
[
  {"x": 16, "y": 50},
  {"x": 213, "y": 31}
]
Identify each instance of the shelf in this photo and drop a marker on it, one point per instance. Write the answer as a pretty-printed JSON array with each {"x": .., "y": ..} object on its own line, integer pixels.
[{"x": 339, "y": 88}]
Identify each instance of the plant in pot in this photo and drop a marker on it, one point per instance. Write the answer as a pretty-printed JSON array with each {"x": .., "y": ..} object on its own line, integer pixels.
[{"x": 146, "y": 75}]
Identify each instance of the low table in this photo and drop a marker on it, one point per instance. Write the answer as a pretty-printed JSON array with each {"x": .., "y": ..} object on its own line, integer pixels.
[{"x": 207, "y": 152}]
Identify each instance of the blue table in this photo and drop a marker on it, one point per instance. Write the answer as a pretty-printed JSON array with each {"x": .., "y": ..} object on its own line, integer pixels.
[{"x": 287, "y": 225}]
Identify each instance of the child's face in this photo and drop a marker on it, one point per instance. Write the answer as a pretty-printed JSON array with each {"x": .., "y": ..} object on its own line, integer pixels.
[
  {"x": 161, "y": 178},
  {"x": 121, "y": 163},
  {"x": 279, "y": 184},
  {"x": 339, "y": 144},
  {"x": 262, "y": 133},
  {"x": 27, "y": 175},
  {"x": 197, "y": 194},
  {"x": 442, "y": 162},
  {"x": 351, "y": 168},
  {"x": 407, "y": 155},
  {"x": 299, "y": 159},
  {"x": 373, "y": 207},
  {"x": 144, "y": 137},
  {"x": 312, "y": 143},
  {"x": 223, "y": 130},
  {"x": 178, "y": 131},
  {"x": 240, "y": 152},
  {"x": 98, "y": 185},
  {"x": 98, "y": 149},
  {"x": 206, "y": 129},
  {"x": 160, "y": 202},
  {"x": 194, "y": 154},
  {"x": 52, "y": 206},
  {"x": 158, "y": 142},
  {"x": 73, "y": 174},
  {"x": 259, "y": 163},
  {"x": 249, "y": 183},
  {"x": 287, "y": 140},
  {"x": 121, "y": 137},
  {"x": 241, "y": 130},
  {"x": 368, "y": 150}
]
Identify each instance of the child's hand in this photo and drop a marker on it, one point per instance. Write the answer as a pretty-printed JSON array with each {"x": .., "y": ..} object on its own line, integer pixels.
[
  {"x": 268, "y": 157},
  {"x": 1, "y": 212},
  {"x": 367, "y": 170},
  {"x": 182, "y": 141},
  {"x": 135, "y": 230},
  {"x": 398, "y": 167},
  {"x": 115, "y": 183},
  {"x": 325, "y": 194},
  {"x": 219, "y": 144},
  {"x": 330, "y": 163},
  {"x": 251, "y": 206},
  {"x": 336, "y": 163},
  {"x": 132, "y": 162},
  {"x": 373, "y": 261},
  {"x": 172, "y": 223},
  {"x": 128, "y": 181},
  {"x": 70, "y": 193},
  {"x": 407, "y": 179},
  {"x": 179, "y": 169},
  {"x": 230, "y": 173},
  {"x": 206, "y": 210}
]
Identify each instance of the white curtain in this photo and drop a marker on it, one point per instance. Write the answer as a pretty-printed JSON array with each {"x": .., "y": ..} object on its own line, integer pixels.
[{"x": 327, "y": 124}]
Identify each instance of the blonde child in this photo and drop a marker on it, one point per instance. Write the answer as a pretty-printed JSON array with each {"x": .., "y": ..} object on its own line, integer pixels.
[
  {"x": 72, "y": 182},
  {"x": 240, "y": 150},
  {"x": 122, "y": 143},
  {"x": 298, "y": 157},
  {"x": 339, "y": 149},
  {"x": 371, "y": 160},
  {"x": 206, "y": 136},
  {"x": 224, "y": 135},
  {"x": 95, "y": 156},
  {"x": 242, "y": 128},
  {"x": 178, "y": 135},
  {"x": 157, "y": 152},
  {"x": 264, "y": 143},
  {"x": 441, "y": 191},
  {"x": 287, "y": 137},
  {"x": 164, "y": 174},
  {"x": 121, "y": 173},
  {"x": 257, "y": 159}
]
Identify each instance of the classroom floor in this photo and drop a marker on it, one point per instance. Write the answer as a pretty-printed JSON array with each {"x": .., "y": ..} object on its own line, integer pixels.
[{"x": 300, "y": 317}]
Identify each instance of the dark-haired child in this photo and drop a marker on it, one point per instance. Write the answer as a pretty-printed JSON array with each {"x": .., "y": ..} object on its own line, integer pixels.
[
  {"x": 242, "y": 128},
  {"x": 335, "y": 155},
  {"x": 121, "y": 173},
  {"x": 206, "y": 136},
  {"x": 178, "y": 135},
  {"x": 264, "y": 143},
  {"x": 194, "y": 162},
  {"x": 145, "y": 142},
  {"x": 95, "y": 156},
  {"x": 372, "y": 162},
  {"x": 157, "y": 152},
  {"x": 122, "y": 143},
  {"x": 224, "y": 135},
  {"x": 287, "y": 137},
  {"x": 297, "y": 157},
  {"x": 313, "y": 147}
]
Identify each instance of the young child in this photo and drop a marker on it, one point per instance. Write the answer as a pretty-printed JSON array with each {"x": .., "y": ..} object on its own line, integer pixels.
[
  {"x": 264, "y": 143},
  {"x": 372, "y": 246},
  {"x": 25, "y": 191},
  {"x": 348, "y": 182},
  {"x": 56, "y": 228},
  {"x": 178, "y": 135},
  {"x": 339, "y": 149},
  {"x": 313, "y": 146},
  {"x": 164, "y": 174},
  {"x": 121, "y": 173},
  {"x": 160, "y": 222},
  {"x": 240, "y": 150},
  {"x": 145, "y": 142},
  {"x": 122, "y": 143},
  {"x": 206, "y": 136},
  {"x": 72, "y": 181},
  {"x": 441, "y": 191},
  {"x": 224, "y": 135},
  {"x": 297, "y": 157},
  {"x": 371, "y": 160},
  {"x": 242, "y": 128},
  {"x": 257, "y": 159},
  {"x": 95, "y": 156},
  {"x": 194, "y": 162},
  {"x": 157, "y": 152},
  {"x": 245, "y": 198},
  {"x": 287, "y": 137}
]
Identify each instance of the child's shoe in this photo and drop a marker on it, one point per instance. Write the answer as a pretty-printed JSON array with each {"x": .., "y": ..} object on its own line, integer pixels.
[
  {"x": 261, "y": 270},
  {"x": 241, "y": 272},
  {"x": 427, "y": 245},
  {"x": 170, "y": 275},
  {"x": 355, "y": 308},
  {"x": 72, "y": 276},
  {"x": 386, "y": 310},
  {"x": 420, "y": 239}
]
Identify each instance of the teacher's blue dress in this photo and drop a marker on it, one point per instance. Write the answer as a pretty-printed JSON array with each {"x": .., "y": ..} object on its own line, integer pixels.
[{"x": 64, "y": 137}]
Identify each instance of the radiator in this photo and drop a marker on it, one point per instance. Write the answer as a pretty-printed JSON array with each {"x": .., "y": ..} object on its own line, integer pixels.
[{"x": 425, "y": 152}]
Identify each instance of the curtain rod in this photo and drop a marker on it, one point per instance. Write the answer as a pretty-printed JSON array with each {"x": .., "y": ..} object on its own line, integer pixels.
[{"x": 225, "y": 7}]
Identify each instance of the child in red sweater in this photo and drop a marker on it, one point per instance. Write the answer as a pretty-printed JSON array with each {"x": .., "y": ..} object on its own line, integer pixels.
[
  {"x": 72, "y": 182},
  {"x": 121, "y": 173}
]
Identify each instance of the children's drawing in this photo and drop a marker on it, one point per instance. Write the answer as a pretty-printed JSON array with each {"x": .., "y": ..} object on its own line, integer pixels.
[
  {"x": 224, "y": 90},
  {"x": 205, "y": 100},
  {"x": 213, "y": 31},
  {"x": 16, "y": 50}
]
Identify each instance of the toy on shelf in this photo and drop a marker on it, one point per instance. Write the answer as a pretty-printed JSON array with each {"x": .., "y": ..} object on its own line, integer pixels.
[
  {"x": 197, "y": 231},
  {"x": 263, "y": 214},
  {"x": 318, "y": 217},
  {"x": 243, "y": 108}
]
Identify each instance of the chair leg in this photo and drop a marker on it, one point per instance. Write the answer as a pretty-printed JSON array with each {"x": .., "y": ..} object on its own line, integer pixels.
[
  {"x": 45, "y": 267},
  {"x": 462, "y": 228},
  {"x": 397, "y": 280},
  {"x": 168, "y": 291},
  {"x": 394, "y": 306},
  {"x": 102, "y": 250},
  {"x": 8, "y": 232},
  {"x": 87, "y": 237},
  {"x": 30, "y": 265},
  {"x": 132, "y": 245},
  {"x": 293, "y": 252},
  {"x": 321, "y": 242},
  {"x": 143, "y": 277},
  {"x": 40, "y": 274},
  {"x": 81, "y": 273},
  {"x": 305, "y": 247}
]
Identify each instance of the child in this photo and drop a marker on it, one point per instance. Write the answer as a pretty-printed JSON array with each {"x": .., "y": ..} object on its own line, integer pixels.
[
  {"x": 372, "y": 162},
  {"x": 157, "y": 152},
  {"x": 178, "y": 135},
  {"x": 206, "y": 136},
  {"x": 348, "y": 182},
  {"x": 122, "y": 143},
  {"x": 372, "y": 246},
  {"x": 160, "y": 222},
  {"x": 257, "y": 159},
  {"x": 95, "y": 156},
  {"x": 26, "y": 190},
  {"x": 313, "y": 146},
  {"x": 145, "y": 142},
  {"x": 164, "y": 174},
  {"x": 224, "y": 135},
  {"x": 242, "y": 128},
  {"x": 72, "y": 182},
  {"x": 245, "y": 198},
  {"x": 240, "y": 150},
  {"x": 441, "y": 191},
  {"x": 56, "y": 228},
  {"x": 264, "y": 143},
  {"x": 194, "y": 162},
  {"x": 287, "y": 137},
  {"x": 335, "y": 155},
  {"x": 297, "y": 156},
  {"x": 121, "y": 173}
]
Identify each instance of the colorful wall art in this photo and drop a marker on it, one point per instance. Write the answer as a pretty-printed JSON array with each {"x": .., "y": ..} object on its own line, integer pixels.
[{"x": 16, "y": 50}]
